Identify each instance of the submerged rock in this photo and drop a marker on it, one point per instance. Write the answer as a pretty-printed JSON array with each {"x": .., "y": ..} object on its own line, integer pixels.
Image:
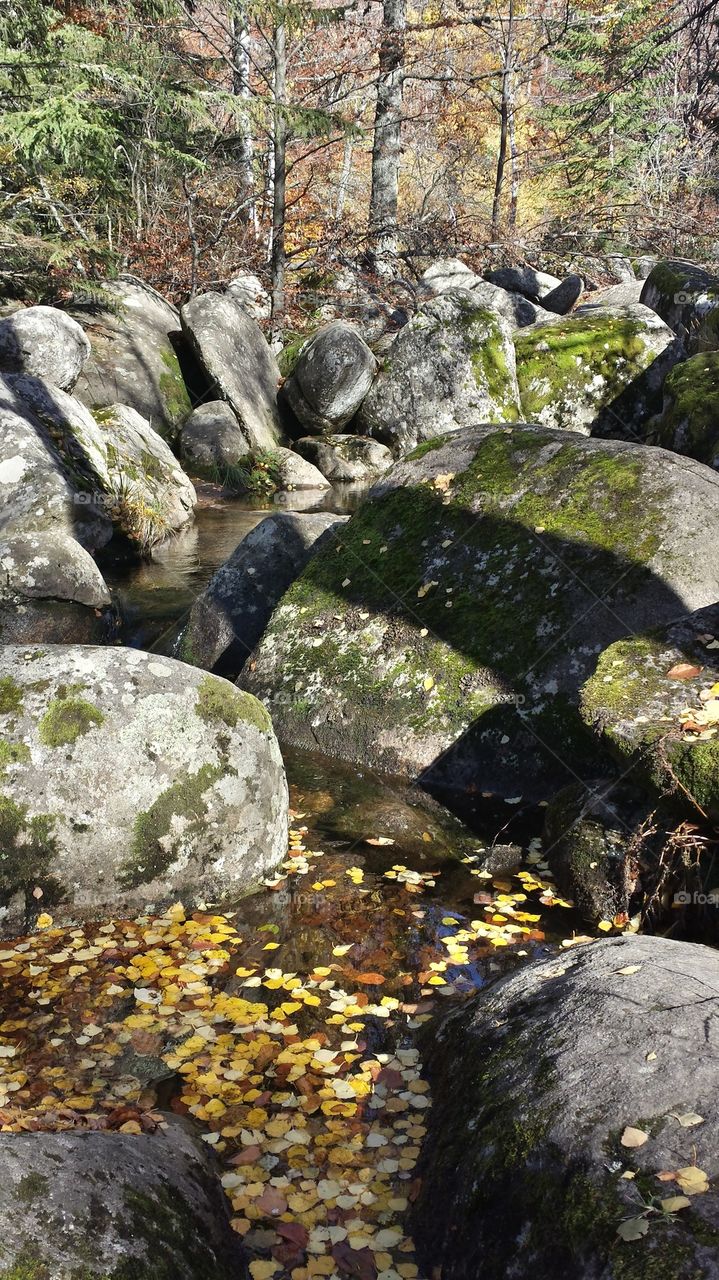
[
  {"x": 238, "y": 364},
  {"x": 600, "y": 372},
  {"x": 451, "y": 366},
  {"x": 588, "y": 844},
  {"x": 332, "y": 375},
  {"x": 46, "y": 343},
  {"x": 133, "y": 357},
  {"x": 687, "y": 298},
  {"x": 534, "y": 1082},
  {"x": 197, "y": 805},
  {"x": 448, "y": 630},
  {"x": 113, "y": 1206},
  {"x": 689, "y": 420},
  {"x": 227, "y": 620},
  {"x": 344, "y": 459},
  {"x": 645, "y": 689}
]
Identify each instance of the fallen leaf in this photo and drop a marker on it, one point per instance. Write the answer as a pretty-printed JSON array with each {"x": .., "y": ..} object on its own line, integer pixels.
[
  {"x": 633, "y": 1228},
  {"x": 633, "y": 1137},
  {"x": 683, "y": 671}
]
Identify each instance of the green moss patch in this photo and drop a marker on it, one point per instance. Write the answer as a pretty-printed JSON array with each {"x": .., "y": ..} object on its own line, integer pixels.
[
  {"x": 67, "y": 719},
  {"x": 218, "y": 702},
  {"x": 690, "y": 419},
  {"x": 11, "y": 697},
  {"x": 154, "y": 845}
]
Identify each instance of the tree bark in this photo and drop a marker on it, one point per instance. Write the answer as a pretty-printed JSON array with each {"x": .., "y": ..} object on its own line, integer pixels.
[
  {"x": 387, "y": 129},
  {"x": 506, "y": 107},
  {"x": 278, "y": 258},
  {"x": 240, "y": 35}
]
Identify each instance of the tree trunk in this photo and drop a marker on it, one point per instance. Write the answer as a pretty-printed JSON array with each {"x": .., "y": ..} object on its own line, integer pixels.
[
  {"x": 387, "y": 129},
  {"x": 241, "y": 40},
  {"x": 505, "y": 112},
  {"x": 278, "y": 259}
]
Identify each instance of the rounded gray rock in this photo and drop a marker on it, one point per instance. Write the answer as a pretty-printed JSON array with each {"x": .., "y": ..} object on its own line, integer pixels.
[
  {"x": 331, "y": 378},
  {"x": 44, "y": 342}
]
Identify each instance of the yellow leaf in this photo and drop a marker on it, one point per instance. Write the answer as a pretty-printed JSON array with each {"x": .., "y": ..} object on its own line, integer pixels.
[
  {"x": 44, "y": 921},
  {"x": 673, "y": 1203},
  {"x": 693, "y": 1181},
  {"x": 428, "y": 683},
  {"x": 633, "y": 1137},
  {"x": 604, "y": 925}
]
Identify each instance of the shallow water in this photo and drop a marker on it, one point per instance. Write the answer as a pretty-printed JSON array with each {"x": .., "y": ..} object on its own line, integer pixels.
[{"x": 155, "y": 595}]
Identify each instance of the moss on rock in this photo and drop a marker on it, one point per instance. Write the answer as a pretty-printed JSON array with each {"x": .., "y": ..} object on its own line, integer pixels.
[
  {"x": 689, "y": 422},
  {"x": 67, "y": 718},
  {"x": 219, "y": 702},
  {"x": 175, "y": 816}
]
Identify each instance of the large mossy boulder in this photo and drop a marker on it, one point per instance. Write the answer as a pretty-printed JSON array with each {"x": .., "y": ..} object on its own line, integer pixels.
[
  {"x": 227, "y": 620},
  {"x": 238, "y": 364},
  {"x": 600, "y": 372},
  {"x": 331, "y": 378},
  {"x": 651, "y": 702},
  {"x": 134, "y": 342},
  {"x": 686, "y": 296},
  {"x": 524, "y": 1173},
  {"x": 689, "y": 420},
  {"x": 127, "y": 781},
  {"x": 450, "y": 367},
  {"x": 114, "y": 1206},
  {"x": 46, "y": 343},
  {"x": 448, "y": 629}
]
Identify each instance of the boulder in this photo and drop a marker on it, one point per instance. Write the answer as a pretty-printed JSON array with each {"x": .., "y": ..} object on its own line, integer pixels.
[
  {"x": 212, "y": 441},
  {"x": 535, "y": 1081},
  {"x": 149, "y": 495},
  {"x": 51, "y": 589},
  {"x": 451, "y": 273},
  {"x": 249, "y": 293},
  {"x": 689, "y": 420},
  {"x": 650, "y": 700},
  {"x": 599, "y": 373},
  {"x": 238, "y": 364},
  {"x": 331, "y": 378},
  {"x": 112, "y": 1205},
  {"x": 617, "y": 295},
  {"x": 134, "y": 341},
  {"x": 687, "y": 298},
  {"x": 227, "y": 620},
  {"x": 343, "y": 459},
  {"x": 643, "y": 265},
  {"x": 45, "y": 342},
  {"x": 129, "y": 471},
  {"x": 588, "y": 831},
  {"x": 447, "y": 631},
  {"x": 451, "y": 366},
  {"x": 198, "y": 803},
  {"x": 562, "y": 299},
  {"x": 528, "y": 281},
  {"x": 294, "y": 472}
]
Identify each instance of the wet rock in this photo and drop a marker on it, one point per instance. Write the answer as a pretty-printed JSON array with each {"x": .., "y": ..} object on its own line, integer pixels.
[
  {"x": 133, "y": 357},
  {"x": 528, "y": 281},
  {"x": 451, "y": 366},
  {"x": 44, "y": 342},
  {"x": 249, "y": 293},
  {"x": 534, "y": 1082},
  {"x": 227, "y": 620},
  {"x": 102, "y": 1204},
  {"x": 212, "y": 441},
  {"x": 587, "y": 840},
  {"x": 687, "y": 298},
  {"x": 689, "y": 419},
  {"x": 238, "y": 364},
  {"x": 644, "y": 689},
  {"x": 599, "y": 372},
  {"x": 562, "y": 299},
  {"x": 331, "y": 378},
  {"x": 528, "y": 552},
  {"x": 343, "y": 459},
  {"x": 198, "y": 803}
]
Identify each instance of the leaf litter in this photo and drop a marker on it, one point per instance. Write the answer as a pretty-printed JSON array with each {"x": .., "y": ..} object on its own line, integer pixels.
[{"x": 301, "y": 1070}]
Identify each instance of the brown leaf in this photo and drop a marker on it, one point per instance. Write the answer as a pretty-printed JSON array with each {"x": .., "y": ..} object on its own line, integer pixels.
[{"x": 683, "y": 671}]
